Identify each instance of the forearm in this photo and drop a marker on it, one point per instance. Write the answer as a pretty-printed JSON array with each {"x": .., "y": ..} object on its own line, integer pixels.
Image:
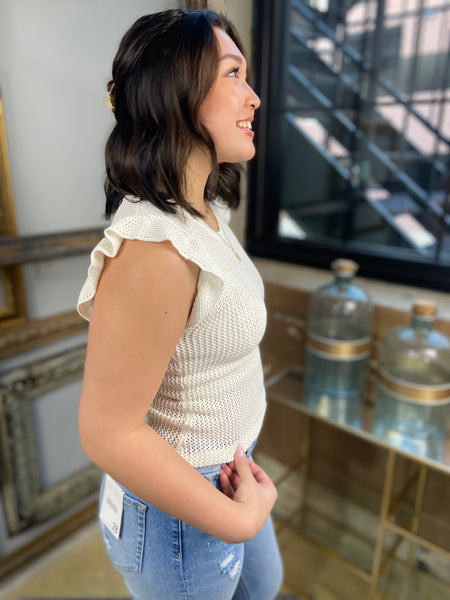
[{"x": 148, "y": 466}]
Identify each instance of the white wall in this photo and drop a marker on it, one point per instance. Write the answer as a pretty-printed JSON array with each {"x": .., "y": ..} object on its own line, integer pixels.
[{"x": 55, "y": 61}]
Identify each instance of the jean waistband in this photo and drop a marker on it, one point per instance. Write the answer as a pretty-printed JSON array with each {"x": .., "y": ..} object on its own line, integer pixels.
[{"x": 212, "y": 469}]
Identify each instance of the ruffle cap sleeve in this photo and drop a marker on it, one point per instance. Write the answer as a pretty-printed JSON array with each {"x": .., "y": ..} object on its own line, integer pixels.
[{"x": 137, "y": 220}]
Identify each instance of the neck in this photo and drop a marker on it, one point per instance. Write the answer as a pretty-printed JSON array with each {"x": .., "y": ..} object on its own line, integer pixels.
[{"x": 198, "y": 169}]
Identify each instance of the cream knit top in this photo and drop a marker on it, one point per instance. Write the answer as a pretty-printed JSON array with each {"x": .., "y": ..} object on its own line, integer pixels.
[{"x": 212, "y": 396}]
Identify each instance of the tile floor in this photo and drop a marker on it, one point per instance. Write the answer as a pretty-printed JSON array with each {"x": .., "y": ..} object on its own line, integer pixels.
[{"x": 78, "y": 566}]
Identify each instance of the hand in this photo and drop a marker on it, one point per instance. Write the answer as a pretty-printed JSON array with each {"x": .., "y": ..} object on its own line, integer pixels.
[{"x": 246, "y": 483}]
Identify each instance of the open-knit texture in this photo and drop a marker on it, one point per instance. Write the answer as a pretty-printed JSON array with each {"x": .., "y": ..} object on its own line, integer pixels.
[{"x": 212, "y": 396}]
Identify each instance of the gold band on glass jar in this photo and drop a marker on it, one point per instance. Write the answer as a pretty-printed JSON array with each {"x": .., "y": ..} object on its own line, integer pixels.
[
  {"x": 418, "y": 394},
  {"x": 339, "y": 349}
]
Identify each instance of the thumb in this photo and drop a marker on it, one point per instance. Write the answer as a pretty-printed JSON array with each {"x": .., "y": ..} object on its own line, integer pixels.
[{"x": 241, "y": 464}]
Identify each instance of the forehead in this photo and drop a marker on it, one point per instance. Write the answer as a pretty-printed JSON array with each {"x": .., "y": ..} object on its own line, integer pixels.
[{"x": 226, "y": 44}]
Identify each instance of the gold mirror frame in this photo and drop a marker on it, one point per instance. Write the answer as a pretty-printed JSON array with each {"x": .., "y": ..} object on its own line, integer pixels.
[{"x": 12, "y": 293}]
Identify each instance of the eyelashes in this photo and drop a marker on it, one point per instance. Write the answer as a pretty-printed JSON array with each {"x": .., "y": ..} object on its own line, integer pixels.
[
  {"x": 237, "y": 73},
  {"x": 234, "y": 72}
]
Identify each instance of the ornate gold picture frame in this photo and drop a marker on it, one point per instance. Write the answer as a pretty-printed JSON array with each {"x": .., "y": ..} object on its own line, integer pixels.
[{"x": 12, "y": 295}]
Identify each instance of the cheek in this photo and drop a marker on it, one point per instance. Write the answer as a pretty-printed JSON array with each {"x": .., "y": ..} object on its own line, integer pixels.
[
  {"x": 208, "y": 108},
  {"x": 212, "y": 114},
  {"x": 218, "y": 110},
  {"x": 217, "y": 125}
]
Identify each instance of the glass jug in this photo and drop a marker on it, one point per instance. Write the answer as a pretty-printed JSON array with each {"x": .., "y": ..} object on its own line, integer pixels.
[
  {"x": 413, "y": 387},
  {"x": 338, "y": 341}
]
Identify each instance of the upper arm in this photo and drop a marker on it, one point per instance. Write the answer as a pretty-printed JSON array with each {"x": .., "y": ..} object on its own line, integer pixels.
[{"x": 141, "y": 307}]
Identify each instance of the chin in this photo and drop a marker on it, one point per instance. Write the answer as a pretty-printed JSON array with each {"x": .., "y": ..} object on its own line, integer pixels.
[
  {"x": 238, "y": 157},
  {"x": 252, "y": 154}
]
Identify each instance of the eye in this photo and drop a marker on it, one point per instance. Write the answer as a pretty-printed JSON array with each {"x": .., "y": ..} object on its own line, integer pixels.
[{"x": 234, "y": 72}]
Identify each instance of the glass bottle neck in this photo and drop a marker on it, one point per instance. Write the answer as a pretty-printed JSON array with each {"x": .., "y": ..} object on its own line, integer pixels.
[
  {"x": 343, "y": 281},
  {"x": 422, "y": 323}
]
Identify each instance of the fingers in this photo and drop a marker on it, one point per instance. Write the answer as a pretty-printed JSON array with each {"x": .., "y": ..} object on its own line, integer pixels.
[
  {"x": 241, "y": 464},
  {"x": 242, "y": 470},
  {"x": 256, "y": 471},
  {"x": 225, "y": 484},
  {"x": 259, "y": 474},
  {"x": 232, "y": 475},
  {"x": 228, "y": 469}
]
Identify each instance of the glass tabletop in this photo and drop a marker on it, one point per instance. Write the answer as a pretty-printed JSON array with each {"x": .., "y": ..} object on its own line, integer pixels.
[{"x": 286, "y": 387}]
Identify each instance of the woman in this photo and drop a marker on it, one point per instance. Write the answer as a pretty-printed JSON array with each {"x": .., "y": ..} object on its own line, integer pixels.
[{"x": 173, "y": 392}]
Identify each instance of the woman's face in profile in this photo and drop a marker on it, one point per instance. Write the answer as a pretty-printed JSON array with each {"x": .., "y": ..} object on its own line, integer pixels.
[{"x": 228, "y": 110}]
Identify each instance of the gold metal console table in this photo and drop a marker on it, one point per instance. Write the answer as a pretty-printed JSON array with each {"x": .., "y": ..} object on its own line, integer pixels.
[{"x": 285, "y": 388}]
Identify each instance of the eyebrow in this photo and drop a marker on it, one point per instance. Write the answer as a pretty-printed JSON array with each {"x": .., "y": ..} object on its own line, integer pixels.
[{"x": 234, "y": 56}]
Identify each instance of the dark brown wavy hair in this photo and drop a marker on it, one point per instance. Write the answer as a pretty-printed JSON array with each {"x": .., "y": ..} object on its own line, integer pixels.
[{"x": 166, "y": 64}]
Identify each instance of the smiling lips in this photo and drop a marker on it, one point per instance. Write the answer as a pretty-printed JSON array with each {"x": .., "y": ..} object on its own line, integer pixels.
[{"x": 246, "y": 127}]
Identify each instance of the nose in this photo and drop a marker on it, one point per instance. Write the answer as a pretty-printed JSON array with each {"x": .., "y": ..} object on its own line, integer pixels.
[{"x": 253, "y": 100}]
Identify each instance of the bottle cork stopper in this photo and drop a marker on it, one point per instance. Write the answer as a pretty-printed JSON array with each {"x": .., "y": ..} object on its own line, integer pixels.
[
  {"x": 344, "y": 267},
  {"x": 426, "y": 308}
]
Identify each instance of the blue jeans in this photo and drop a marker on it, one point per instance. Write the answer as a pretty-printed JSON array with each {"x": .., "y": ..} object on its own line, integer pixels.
[{"x": 162, "y": 558}]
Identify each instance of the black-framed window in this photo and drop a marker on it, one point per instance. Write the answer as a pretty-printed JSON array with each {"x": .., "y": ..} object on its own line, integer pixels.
[{"x": 353, "y": 136}]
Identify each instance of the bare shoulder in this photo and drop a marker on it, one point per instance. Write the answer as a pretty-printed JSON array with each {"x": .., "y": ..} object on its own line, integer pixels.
[
  {"x": 137, "y": 256},
  {"x": 137, "y": 260},
  {"x": 148, "y": 274}
]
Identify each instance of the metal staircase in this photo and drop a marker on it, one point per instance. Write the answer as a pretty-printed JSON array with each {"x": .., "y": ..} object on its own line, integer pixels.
[{"x": 367, "y": 149}]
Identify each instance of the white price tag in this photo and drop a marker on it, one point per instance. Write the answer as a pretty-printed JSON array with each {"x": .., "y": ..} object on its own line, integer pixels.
[{"x": 111, "y": 508}]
